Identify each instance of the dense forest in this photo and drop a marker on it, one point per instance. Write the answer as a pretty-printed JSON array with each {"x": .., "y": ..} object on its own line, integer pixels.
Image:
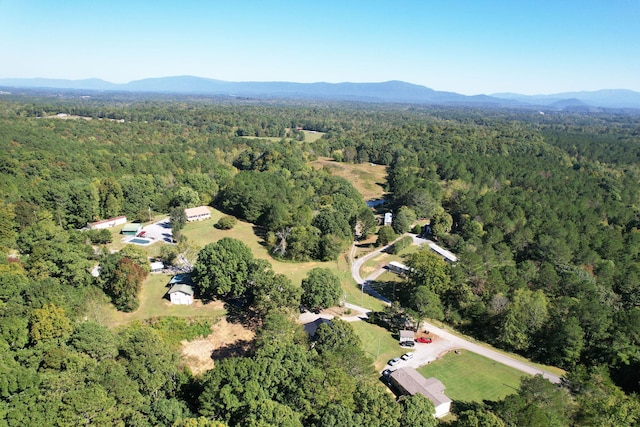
[{"x": 541, "y": 209}]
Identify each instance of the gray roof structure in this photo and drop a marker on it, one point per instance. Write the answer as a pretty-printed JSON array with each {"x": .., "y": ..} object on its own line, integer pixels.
[
  {"x": 411, "y": 382},
  {"x": 312, "y": 327},
  {"x": 406, "y": 335},
  {"x": 132, "y": 226},
  {"x": 181, "y": 287}
]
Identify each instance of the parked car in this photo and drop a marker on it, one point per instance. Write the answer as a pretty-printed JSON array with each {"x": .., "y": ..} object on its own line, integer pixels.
[
  {"x": 386, "y": 373},
  {"x": 407, "y": 344},
  {"x": 394, "y": 361},
  {"x": 424, "y": 340},
  {"x": 407, "y": 356}
]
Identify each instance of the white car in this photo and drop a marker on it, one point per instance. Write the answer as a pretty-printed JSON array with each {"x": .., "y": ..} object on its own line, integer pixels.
[
  {"x": 394, "y": 361},
  {"x": 407, "y": 356}
]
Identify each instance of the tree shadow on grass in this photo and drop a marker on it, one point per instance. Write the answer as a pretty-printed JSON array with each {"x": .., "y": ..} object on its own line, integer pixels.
[
  {"x": 238, "y": 311},
  {"x": 237, "y": 349}
]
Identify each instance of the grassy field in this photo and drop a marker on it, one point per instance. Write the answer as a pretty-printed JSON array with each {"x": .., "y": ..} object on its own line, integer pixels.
[
  {"x": 312, "y": 135},
  {"x": 470, "y": 377},
  {"x": 377, "y": 343},
  {"x": 152, "y": 305},
  {"x": 204, "y": 232},
  {"x": 309, "y": 136},
  {"x": 367, "y": 178}
]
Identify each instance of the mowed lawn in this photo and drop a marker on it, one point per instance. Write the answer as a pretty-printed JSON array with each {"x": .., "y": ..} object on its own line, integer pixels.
[
  {"x": 469, "y": 377},
  {"x": 377, "y": 343}
]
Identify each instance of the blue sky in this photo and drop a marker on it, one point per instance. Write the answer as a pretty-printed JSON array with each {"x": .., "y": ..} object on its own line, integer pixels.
[{"x": 470, "y": 46}]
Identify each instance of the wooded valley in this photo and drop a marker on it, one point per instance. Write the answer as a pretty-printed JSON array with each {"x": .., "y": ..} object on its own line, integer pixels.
[{"x": 542, "y": 211}]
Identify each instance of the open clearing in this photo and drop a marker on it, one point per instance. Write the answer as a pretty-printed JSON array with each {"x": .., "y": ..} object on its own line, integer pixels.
[
  {"x": 369, "y": 179},
  {"x": 470, "y": 377},
  {"x": 226, "y": 340},
  {"x": 152, "y": 305}
]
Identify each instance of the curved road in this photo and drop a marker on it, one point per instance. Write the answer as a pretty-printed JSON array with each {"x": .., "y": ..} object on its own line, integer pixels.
[{"x": 455, "y": 341}]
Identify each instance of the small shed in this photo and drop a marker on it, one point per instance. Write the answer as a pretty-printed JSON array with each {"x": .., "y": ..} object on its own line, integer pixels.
[
  {"x": 406, "y": 335},
  {"x": 388, "y": 218},
  {"x": 197, "y": 214},
  {"x": 181, "y": 294},
  {"x": 157, "y": 266},
  {"x": 131, "y": 229},
  {"x": 410, "y": 382}
]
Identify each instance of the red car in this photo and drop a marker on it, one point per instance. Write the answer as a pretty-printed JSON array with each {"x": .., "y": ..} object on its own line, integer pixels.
[{"x": 424, "y": 340}]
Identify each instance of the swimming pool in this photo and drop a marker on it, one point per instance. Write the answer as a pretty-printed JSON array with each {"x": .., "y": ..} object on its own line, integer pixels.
[{"x": 138, "y": 241}]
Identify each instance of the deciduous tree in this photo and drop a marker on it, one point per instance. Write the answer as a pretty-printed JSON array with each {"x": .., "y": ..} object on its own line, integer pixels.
[
  {"x": 224, "y": 268},
  {"x": 321, "y": 289}
]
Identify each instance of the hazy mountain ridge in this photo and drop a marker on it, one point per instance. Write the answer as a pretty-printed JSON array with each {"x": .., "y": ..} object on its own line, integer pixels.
[{"x": 390, "y": 91}]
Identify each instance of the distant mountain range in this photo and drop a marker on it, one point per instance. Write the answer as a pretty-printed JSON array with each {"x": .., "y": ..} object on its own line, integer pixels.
[{"x": 391, "y": 91}]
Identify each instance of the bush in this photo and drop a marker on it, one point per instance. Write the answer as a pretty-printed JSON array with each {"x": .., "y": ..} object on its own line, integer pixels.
[
  {"x": 99, "y": 237},
  {"x": 226, "y": 223},
  {"x": 175, "y": 329},
  {"x": 417, "y": 229}
]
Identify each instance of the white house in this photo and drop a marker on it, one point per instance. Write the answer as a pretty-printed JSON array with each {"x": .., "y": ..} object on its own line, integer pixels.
[
  {"x": 181, "y": 294},
  {"x": 408, "y": 381},
  {"x": 197, "y": 214},
  {"x": 107, "y": 223}
]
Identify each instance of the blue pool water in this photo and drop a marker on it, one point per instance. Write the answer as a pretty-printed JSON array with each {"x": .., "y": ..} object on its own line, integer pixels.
[{"x": 138, "y": 241}]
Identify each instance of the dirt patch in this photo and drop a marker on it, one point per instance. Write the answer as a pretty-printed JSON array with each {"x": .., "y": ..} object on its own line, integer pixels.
[{"x": 226, "y": 340}]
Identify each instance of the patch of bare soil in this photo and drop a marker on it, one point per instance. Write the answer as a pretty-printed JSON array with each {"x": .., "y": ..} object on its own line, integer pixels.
[{"x": 226, "y": 340}]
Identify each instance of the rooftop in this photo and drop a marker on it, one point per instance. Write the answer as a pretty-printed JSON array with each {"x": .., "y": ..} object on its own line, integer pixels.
[
  {"x": 133, "y": 226},
  {"x": 199, "y": 211},
  {"x": 413, "y": 382},
  {"x": 181, "y": 287}
]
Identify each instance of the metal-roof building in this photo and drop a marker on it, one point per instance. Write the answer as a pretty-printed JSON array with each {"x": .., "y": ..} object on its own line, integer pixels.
[{"x": 408, "y": 381}]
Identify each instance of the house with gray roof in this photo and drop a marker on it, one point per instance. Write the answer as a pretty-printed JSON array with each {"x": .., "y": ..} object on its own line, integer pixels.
[{"x": 409, "y": 382}]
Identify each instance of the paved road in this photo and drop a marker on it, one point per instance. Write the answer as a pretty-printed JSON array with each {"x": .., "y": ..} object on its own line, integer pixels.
[
  {"x": 443, "y": 341},
  {"x": 357, "y": 264}
]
